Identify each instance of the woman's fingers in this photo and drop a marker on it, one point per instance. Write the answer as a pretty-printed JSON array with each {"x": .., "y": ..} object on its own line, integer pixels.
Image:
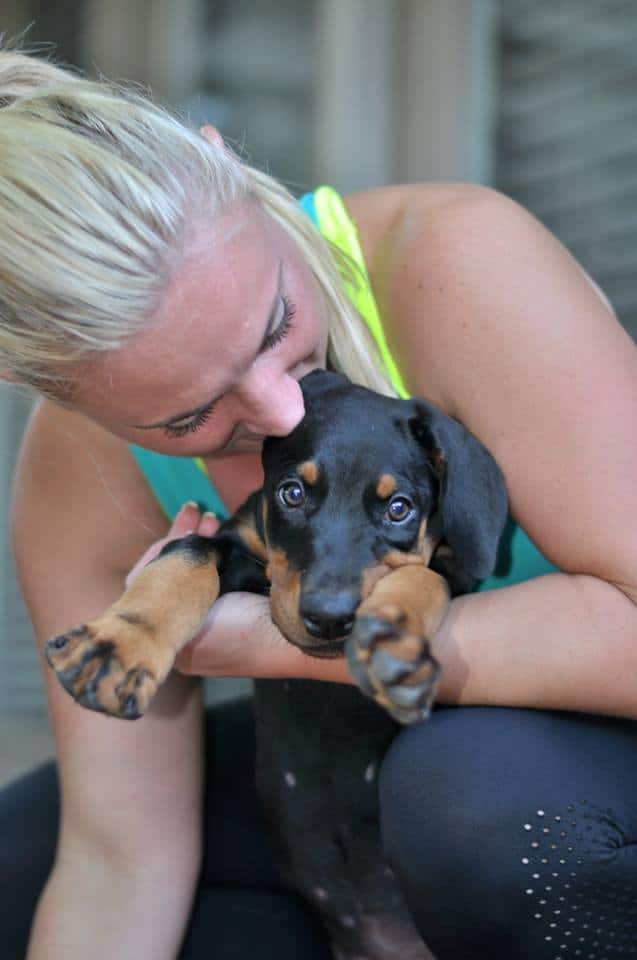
[
  {"x": 190, "y": 519},
  {"x": 208, "y": 525},
  {"x": 186, "y": 521}
]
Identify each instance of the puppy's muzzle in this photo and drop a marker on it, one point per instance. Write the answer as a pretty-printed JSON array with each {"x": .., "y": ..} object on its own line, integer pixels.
[{"x": 329, "y": 615}]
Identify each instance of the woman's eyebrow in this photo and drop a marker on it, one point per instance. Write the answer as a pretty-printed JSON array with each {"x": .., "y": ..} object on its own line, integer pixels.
[{"x": 168, "y": 421}]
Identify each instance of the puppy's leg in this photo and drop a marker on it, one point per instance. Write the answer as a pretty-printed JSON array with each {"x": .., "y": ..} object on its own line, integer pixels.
[
  {"x": 388, "y": 651},
  {"x": 115, "y": 663}
]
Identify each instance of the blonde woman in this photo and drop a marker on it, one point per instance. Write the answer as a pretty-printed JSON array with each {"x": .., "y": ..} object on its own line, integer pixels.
[{"x": 164, "y": 299}]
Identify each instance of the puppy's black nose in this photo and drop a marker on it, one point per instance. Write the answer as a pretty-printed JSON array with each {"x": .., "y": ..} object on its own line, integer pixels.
[{"x": 328, "y": 615}]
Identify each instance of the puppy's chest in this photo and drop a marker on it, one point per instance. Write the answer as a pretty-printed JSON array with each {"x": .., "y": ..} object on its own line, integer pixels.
[
  {"x": 320, "y": 746},
  {"x": 319, "y": 751}
]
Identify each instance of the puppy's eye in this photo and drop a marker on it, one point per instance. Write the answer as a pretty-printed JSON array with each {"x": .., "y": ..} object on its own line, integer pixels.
[
  {"x": 291, "y": 493},
  {"x": 399, "y": 509}
]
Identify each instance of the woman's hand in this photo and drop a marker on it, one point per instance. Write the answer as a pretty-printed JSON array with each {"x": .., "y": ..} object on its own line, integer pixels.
[{"x": 190, "y": 519}]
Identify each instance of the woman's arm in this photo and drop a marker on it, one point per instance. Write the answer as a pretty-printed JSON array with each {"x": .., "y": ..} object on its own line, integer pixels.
[
  {"x": 499, "y": 325},
  {"x": 129, "y": 847}
]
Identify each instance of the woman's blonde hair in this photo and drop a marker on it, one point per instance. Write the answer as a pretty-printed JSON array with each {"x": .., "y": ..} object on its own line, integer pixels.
[{"x": 98, "y": 187}]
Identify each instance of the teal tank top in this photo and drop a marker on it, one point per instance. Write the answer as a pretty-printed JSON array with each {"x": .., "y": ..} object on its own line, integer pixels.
[{"x": 174, "y": 480}]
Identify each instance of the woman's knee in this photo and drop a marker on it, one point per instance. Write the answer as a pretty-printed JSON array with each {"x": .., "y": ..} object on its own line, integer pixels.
[{"x": 502, "y": 825}]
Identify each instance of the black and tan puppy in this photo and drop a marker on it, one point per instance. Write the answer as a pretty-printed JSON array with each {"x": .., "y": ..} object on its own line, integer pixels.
[{"x": 374, "y": 511}]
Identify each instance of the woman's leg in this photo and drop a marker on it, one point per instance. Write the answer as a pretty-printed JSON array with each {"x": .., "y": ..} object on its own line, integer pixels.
[
  {"x": 241, "y": 909},
  {"x": 29, "y": 817},
  {"x": 514, "y": 833}
]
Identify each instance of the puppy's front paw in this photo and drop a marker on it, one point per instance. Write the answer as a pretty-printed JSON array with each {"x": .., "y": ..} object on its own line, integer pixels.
[
  {"x": 101, "y": 670},
  {"x": 392, "y": 666}
]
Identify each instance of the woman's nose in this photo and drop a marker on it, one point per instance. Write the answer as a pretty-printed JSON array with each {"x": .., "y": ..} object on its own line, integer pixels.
[{"x": 273, "y": 405}]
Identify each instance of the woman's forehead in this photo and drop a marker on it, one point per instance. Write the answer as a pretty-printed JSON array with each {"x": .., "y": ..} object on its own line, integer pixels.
[
  {"x": 234, "y": 226},
  {"x": 220, "y": 292}
]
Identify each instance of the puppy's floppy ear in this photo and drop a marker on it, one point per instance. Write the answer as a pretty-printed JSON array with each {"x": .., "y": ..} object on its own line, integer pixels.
[{"x": 473, "y": 500}]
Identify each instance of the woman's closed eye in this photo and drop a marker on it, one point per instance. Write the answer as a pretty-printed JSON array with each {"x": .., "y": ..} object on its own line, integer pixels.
[
  {"x": 279, "y": 329},
  {"x": 192, "y": 425},
  {"x": 281, "y": 323}
]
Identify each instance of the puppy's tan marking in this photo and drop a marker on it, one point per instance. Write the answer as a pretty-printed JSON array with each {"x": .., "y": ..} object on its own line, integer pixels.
[
  {"x": 412, "y": 596},
  {"x": 309, "y": 471},
  {"x": 285, "y": 597},
  {"x": 420, "y": 541},
  {"x": 427, "y": 542},
  {"x": 438, "y": 461},
  {"x": 134, "y": 643},
  {"x": 371, "y": 576},
  {"x": 174, "y": 593},
  {"x": 264, "y": 520},
  {"x": 395, "y": 559},
  {"x": 252, "y": 540},
  {"x": 386, "y": 485}
]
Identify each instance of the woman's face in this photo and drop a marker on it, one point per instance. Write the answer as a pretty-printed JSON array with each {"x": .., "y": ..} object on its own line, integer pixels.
[{"x": 217, "y": 368}]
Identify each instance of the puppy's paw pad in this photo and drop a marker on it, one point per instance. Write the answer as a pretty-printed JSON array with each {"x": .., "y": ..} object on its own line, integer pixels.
[
  {"x": 135, "y": 692},
  {"x": 370, "y": 630},
  {"x": 70, "y": 652},
  {"x": 91, "y": 670},
  {"x": 393, "y": 667}
]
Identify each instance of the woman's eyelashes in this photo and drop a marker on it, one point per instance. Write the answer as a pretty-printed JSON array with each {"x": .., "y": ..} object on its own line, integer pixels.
[
  {"x": 283, "y": 324},
  {"x": 192, "y": 425}
]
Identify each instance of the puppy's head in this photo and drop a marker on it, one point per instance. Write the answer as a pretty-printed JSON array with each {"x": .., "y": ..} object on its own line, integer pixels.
[{"x": 362, "y": 480}]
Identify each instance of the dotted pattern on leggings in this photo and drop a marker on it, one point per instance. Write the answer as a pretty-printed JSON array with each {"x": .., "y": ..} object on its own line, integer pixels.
[{"x": 575, "y": 916}]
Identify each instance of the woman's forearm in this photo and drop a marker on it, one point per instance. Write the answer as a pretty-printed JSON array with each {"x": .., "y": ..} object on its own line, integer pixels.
[
  {"x": 557, "y": 642},
  {"x": 95, "y": 909},
  {"x": 564, "y": 642}
]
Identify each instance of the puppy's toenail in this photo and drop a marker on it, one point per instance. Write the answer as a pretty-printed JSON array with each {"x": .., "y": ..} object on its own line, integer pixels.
[{"x": 131, "y": 709}]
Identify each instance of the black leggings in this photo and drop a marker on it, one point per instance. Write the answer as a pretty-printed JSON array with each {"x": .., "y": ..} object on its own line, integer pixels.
[{"x": 512, "y": 832}]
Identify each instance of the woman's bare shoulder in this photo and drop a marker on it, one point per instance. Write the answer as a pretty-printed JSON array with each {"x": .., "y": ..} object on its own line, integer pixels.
[
  {"x": 491, "y": 317},
  {"x": 403, "y": 230},
  {"x": 380, "y": 214}
]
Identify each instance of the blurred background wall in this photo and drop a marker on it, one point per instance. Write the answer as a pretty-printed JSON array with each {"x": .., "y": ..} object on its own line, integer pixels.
[{"x": 536, "y": 97}]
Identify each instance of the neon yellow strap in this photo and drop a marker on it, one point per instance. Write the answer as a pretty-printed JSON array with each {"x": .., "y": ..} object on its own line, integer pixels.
[{"x": 335, "y": 224}]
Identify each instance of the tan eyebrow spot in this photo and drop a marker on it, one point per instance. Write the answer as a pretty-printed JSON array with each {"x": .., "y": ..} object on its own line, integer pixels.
[
  {"x": 309, "y": 472},
  {"x": 386, "y": 486}
]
